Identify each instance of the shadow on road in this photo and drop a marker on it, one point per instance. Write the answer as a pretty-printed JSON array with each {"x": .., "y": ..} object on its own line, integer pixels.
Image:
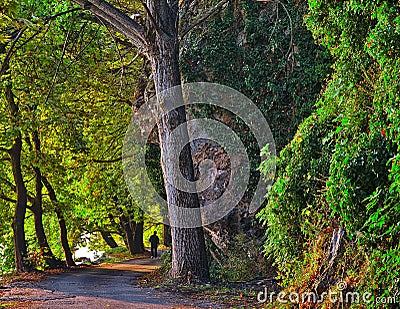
[{"x": 104, "y": 286}]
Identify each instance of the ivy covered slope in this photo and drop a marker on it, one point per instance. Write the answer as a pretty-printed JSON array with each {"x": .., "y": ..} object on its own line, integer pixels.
[
  {"x": 342, "y": 168},
  {"x": 263, "y": 50}
]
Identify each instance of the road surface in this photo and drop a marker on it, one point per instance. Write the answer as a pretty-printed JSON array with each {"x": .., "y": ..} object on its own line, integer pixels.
[{"x": 106, "y": 286}]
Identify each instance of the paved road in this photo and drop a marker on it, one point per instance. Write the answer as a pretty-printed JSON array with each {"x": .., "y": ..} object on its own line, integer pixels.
[{"x": 110, "y": 286}]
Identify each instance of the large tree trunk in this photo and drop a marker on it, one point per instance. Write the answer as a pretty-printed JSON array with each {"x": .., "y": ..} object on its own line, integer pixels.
[
  {"x": 138, "y": 245},
  {"x": 45, "y": 249},
  {"x": 126, "y": 223},
  {"x": 167, "y": 239},
  {"x": 188, "y": 245},
  {"x": 20, "y": 249},
  {"x": 109, "y": 239},
  {"x": 61, "y": 222}
]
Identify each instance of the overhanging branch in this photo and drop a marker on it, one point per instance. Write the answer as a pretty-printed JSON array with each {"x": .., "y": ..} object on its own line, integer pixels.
[{"x": 118, "y": 20}]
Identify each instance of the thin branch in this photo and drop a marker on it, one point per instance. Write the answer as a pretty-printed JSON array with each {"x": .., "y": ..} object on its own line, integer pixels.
[
  {"x": 50, "y": 190},
  {"x": 8, "y": 183},
  {"x": 58, "y": 67},
  {"x": 79, "y": 55},
  {"x": 206, "y": 15},
  {"x": 133, "y": 59},
  {"x": 47, "y": 18},
  {"x": 14, "y": 188},
  {"x": 31, "y": 37},
  {"x": 3, "y": 197},
  {"x": 107, "y": 161},
  {"x": 290, "y": 23},
  {"x": 61, "y": 13},
  {"x": 10, "y": 52},
  {"x": 119, "y": 55},
  {"x": 101, "y": 230}
]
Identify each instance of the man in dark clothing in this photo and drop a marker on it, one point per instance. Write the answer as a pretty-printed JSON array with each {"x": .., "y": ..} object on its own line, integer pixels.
[{"x": 154, "y": 241}]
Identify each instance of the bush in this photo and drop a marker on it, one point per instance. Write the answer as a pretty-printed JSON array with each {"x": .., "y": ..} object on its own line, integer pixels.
[
  {"x": 166, "y": 261},
  {"x": 241, "y": 260}
]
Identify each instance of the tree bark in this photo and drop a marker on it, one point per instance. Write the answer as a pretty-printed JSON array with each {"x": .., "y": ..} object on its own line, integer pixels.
[
  {"x": 64, "y": 239},
  {"x": 127, "y": 226},
  {"x": 138, "y": 245},
  {"x": 20, "y": 248},
  {"x": 61, "y": 222},
  {"x": 188, "y": 245},
  {"x": 167, "y": 239},
  {"x": 109, "y": 239}
]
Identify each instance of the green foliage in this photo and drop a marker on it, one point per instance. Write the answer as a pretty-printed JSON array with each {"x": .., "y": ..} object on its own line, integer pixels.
[
  {"x": 342, "y": 167},
  {"x": 68, "y": 77},
  {"x": 118, "y": 254},
  {"x": 166, "y": 261},
  {"x": 6, "y": 258},
  {"x": 264, "y": 51}
]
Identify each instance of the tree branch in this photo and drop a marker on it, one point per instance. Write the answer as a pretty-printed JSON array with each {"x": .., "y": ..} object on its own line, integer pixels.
[
  {"x": 62, "y": 13},
  {"x": 151, "y": 18},
  {"x": 57, "y": 68},
  {"x": 3, "y": 197},
  {"x": 50, "y": 190},
  {"x": 107, "y": 161},
  {"x": 10, "y": 52},
  {"x": 118, "y": 20},
  {"x": 14, "y": 188},
  {"x": 206, "y": 15},
  {"x": 20, "y": 32}
]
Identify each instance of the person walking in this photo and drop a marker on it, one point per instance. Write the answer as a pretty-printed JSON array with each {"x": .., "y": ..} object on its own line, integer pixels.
[{"x": 154, "y": 241}]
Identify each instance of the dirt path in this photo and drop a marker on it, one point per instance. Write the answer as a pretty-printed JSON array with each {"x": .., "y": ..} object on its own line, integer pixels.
[{"x": 106, "y": 286}]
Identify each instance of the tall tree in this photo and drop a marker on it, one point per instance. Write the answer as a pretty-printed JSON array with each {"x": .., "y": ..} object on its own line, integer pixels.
[
  {"x": 157, "y": 37},
  {"x": 14, "y": 152}
]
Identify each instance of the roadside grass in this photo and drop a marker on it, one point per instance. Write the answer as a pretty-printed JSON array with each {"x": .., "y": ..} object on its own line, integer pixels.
[
  {"x": 230, "y": 294},
  {"x": 121, "y": 254}
]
